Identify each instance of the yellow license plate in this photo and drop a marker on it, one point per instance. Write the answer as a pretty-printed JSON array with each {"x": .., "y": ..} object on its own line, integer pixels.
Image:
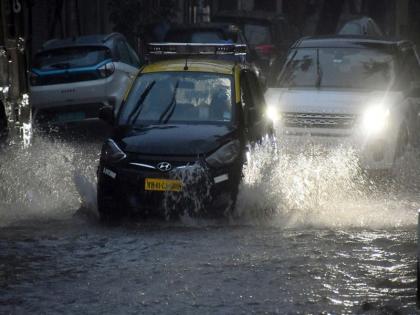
[{"x": 154, "y": 184}]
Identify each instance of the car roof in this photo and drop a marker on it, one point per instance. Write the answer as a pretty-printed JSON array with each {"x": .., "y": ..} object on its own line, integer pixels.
[
  {"x": 349, "y": 41},
  {"x": 194, "y": 65},
  {"x": 88, "y": 40}
]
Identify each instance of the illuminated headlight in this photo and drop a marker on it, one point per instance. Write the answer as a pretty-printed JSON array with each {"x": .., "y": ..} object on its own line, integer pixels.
[
  {"x": 227, "y": 154},
  {"x": 111, "y": 153},
  {"x": 272, "y": 113},
  {"x": 375, "y": 119}
]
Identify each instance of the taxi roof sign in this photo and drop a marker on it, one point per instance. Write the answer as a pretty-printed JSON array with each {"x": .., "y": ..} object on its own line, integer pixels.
[{"x": 196, "y": 49}]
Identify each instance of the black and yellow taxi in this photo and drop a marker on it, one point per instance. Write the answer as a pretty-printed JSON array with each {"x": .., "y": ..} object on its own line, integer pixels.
[{"x": 181, "y": 135}]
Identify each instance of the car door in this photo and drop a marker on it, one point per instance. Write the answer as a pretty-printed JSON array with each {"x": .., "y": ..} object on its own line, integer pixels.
[
  {"x": 127, "y": 66},
  {"x": 257, "y": 126}
]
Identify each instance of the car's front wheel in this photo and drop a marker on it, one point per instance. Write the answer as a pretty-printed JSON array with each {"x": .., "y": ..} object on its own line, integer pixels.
[{"x": 109, "y": 209}]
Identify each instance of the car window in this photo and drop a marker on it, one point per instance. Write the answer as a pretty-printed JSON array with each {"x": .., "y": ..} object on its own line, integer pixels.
[
  {"x": 207, "y": 37},
  {"x": 123, "y": 52},
  {"x": 358, "y": 68},
  {"x": 351, "y": 29},
  {"x": 195, "y": 36},
  {"x": 257, "y": 34},
  {"x": 71, "y": 57},
  {"x": 182, "y": 97}
]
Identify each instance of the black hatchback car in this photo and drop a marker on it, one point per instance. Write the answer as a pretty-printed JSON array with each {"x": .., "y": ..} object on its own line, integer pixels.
[{"x": 180, "y": 139}]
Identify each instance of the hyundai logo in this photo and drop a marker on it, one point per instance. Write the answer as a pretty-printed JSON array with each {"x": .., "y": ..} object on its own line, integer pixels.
[{"x": 164, "y": 166}]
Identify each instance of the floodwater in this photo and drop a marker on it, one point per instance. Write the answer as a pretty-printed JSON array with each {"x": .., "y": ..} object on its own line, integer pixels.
[{"x": 311, "y": 234}]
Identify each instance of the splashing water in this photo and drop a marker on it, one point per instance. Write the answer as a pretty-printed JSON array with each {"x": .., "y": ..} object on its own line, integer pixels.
[
  {"x": 39, "y": 181},
  {"x": 53, "y": 179},
  {"x": 196, "y": 190},
  {"x": 325, "y": 189}
]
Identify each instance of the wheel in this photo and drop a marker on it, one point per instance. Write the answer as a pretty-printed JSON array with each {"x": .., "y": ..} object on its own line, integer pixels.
[{"x": 109, "y": 209}]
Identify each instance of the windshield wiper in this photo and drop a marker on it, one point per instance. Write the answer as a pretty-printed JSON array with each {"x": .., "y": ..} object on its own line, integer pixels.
[
  {"x": 137, "y": 109},
  {"x": 170, "y": 109},
  {"x": 318, "y": 71}
]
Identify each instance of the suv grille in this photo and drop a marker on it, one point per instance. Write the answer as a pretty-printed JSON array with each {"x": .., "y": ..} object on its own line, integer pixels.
[{"x": 319, "y": 120}]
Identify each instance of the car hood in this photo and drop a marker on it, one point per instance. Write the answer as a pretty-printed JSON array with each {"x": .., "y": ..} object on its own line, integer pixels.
[
  {"x": 328, "y": 101},
  {"x": 180, "y": 140}
]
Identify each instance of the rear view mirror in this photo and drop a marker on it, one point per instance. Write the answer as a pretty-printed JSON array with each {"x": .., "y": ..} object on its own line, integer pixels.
[{"x": 106, "y": 113}]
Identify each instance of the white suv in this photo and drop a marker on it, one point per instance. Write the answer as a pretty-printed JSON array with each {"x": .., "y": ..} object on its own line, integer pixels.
[{"x": 360, "y": 91}]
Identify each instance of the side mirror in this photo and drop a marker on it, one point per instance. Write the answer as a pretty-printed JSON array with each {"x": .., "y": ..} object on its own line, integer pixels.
[{"x": 106, "y": 113}]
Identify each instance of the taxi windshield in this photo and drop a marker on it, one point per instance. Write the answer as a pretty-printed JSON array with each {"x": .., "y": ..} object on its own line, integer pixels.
[{"x": 179, "y": 97}]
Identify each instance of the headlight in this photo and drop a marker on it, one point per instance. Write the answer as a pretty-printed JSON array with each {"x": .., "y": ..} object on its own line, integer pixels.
[
  {"x": 272, "y": 113},
  {"x": 111, "y": 153},
  {"x": 375, "y": 119},
  {"x": 225, "y": 155}
]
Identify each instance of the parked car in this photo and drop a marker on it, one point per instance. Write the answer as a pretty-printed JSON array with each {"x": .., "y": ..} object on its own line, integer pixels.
[
  {"x": 360, "y": 91},
  {"x": 71, "y": 79},
  {"x": 269, "y": 35},
  {"x": 215, "y": 33},
  {"x": 359, "y": 25},
  {"x": 180, "y": 138}
]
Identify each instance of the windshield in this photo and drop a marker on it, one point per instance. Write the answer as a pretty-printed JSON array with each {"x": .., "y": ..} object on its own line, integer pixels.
[
  {"x": 72, "y": 57},
  {"x": 179, "y": 97},
  {"x": 351, "y": 28},
  {"x": 355, "y": 68},
  {"x": 257, "y": 34}
]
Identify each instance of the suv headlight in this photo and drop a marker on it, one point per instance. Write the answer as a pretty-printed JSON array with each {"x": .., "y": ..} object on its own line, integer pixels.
[
  {"x": 375, "y": 119},
  {"x": 225, "y": 155},
  {"x": 272, "y": 113},
  {"x": 111, "y": 153}
]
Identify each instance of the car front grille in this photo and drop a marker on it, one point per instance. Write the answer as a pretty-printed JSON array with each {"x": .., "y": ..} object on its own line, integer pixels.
[
  {"x": 318, "y": 120},
  {"x": 150, "y": 163}
]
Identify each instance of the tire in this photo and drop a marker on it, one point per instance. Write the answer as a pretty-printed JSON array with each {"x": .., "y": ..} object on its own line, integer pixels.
[{"x": 109, "y": 209}]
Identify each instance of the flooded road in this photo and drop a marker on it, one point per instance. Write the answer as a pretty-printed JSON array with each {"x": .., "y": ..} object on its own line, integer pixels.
[
  {"x": 71, "y": 266},
  {"x": 302, "y": 242}
]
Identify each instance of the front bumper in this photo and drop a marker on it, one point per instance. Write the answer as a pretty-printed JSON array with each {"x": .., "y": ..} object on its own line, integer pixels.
[
  {"x": 373, "y": 152},
  {"x": 71, "y": 102},
  {"x": 204, "y": 190}
]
